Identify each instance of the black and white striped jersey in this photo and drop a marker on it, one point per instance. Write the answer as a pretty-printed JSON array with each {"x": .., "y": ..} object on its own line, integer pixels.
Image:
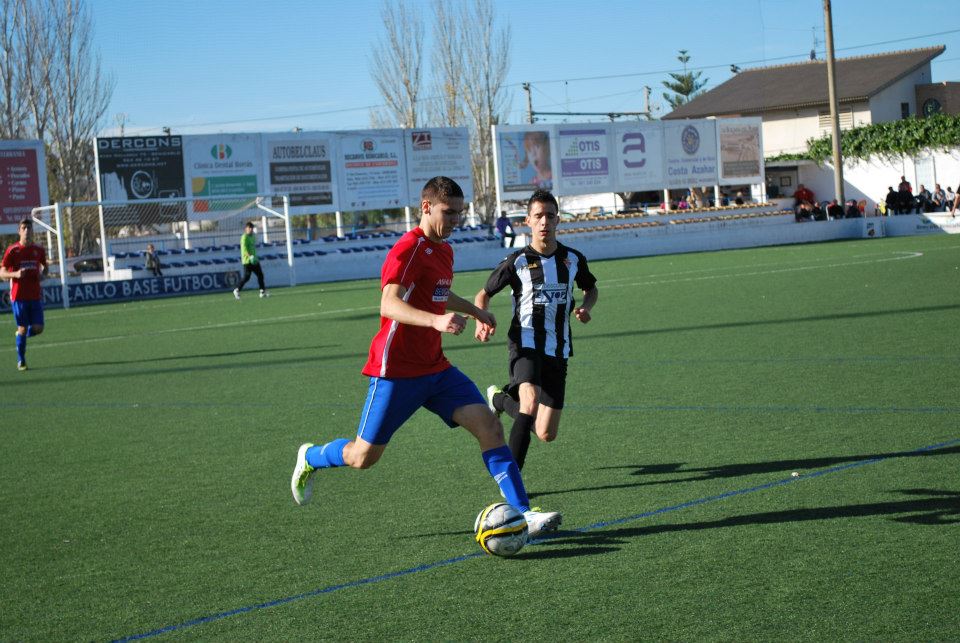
[{"x": 542, "y": 296}]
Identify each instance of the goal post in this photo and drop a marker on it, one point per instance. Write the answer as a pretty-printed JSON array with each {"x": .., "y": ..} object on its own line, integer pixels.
[
  {"x": 117, "y": 233},
  {"x": 52, "y": 229}
]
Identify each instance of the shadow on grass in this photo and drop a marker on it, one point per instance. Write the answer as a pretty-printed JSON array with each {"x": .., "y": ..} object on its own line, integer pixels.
[
  {"x": 925, "y": 507},
  {"x": 680, "y": 474}
]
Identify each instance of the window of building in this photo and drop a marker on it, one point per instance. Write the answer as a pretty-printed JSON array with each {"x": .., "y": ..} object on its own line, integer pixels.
[
  {"x": 846, "y": 119},
  {"x": 904, "y": 110}
]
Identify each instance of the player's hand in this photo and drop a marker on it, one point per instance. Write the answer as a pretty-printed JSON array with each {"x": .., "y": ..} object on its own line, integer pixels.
[
  {"x": 486, "y": 317},
  {"x": 450, "y": 323},
  {"x": 484, "y": 331},
  {"x": 583, "y": 315}
]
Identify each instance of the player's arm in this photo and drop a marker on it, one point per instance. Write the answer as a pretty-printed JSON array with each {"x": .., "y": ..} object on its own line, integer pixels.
[
  {"x": 589, "y": 301},
  {"x": 483, "y": 331},
  {"x": 7, "y": 273},
  {"x": 458, "y": 304},
  {"x": 392, "y": 306}
]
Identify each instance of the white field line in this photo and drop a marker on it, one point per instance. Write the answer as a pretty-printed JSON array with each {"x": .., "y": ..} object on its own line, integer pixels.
[
  {"x": 904, "y": 255},
  {"x": 186, "y": 329},
  {"x": 605, "y": 285}
]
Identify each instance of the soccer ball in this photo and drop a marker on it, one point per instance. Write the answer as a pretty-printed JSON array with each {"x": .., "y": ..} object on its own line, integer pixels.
[{"x": 501, "y": 530}]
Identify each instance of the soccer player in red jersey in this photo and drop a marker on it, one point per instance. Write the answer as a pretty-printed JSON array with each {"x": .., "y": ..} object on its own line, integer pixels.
[
  {"x": 407, "y": 367},
  {"x": 23, "y": 263}
]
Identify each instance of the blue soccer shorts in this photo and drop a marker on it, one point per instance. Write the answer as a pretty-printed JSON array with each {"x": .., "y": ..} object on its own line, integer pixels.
[
  {"x": 28, "y": 313},
  {"x": 392, "y": 401}
]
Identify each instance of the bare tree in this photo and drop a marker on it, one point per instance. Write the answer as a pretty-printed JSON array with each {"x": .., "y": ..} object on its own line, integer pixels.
[
  {"x": 445, "y": 107},
  {"x": 486, "y": 62},
  {"x": 396, "y": 65}
]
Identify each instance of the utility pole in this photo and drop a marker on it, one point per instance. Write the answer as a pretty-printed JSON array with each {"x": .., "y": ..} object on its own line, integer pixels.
[
  {"x": 526, "y": 88},
  {"x": 834, "y": 109}
]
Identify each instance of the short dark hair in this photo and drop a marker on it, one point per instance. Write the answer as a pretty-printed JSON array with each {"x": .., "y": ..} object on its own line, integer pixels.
[
  {"x": 441, "y": 188},
  {"x": 27, "y": 222},
  {"x": 545, "y": 197},
  {"x": 249, "y": 225}
]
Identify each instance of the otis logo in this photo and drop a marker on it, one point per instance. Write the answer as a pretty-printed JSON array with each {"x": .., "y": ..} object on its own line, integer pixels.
[
  {"x": 690, "y": 139},
  {"x": 221, "y": 152}
]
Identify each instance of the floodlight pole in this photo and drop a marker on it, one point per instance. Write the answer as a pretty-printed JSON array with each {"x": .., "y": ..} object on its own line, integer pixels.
[{"x": 834, "y": 109}]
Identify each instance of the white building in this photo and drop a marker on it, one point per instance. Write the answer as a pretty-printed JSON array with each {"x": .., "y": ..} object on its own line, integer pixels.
[{"x": 793, "y": 100}]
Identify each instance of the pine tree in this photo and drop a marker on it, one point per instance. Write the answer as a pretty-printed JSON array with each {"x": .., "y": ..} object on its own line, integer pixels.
[{"x": 685, "y": 86}]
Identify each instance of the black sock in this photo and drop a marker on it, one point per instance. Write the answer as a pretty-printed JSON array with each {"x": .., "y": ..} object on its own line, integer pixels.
[
  {"x": 506, "y": 404},
  {"x": 520, "y": 437}
]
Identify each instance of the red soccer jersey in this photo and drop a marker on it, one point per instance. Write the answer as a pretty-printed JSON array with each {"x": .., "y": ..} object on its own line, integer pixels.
[
  {"x": 31, "y": 259},
  {"x": 425, "y": 269}
]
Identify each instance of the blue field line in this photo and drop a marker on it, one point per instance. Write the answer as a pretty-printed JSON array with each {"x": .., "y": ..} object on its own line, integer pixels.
[{"x": 458, "y": 559}]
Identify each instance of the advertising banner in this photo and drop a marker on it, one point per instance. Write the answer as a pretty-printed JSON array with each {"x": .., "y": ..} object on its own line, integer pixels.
[
  {"x": 23, "y": 182},
  {"x": 524, "y": 157},
  {"x": 638, "y": 156},
  {"x": 130, "y": 168},
  {"x": 218, "y": 165},
  {"x": 741, "y": 151},
  {"x": 302, "y": 166},
  {"x": 438, "y": 151},
  {"x": 132, "y": 289},
  {"x": 690, "y": 153},
  {"x": 585, "y": 159},
  {"x": 371, "y": 169}
]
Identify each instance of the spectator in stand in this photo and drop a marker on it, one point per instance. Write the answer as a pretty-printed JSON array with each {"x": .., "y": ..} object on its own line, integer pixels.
[
  {"x": 924, "y": 200},
  {"x": 853, "y": 210},
  {"x": 956, "y": 203},
  {"x": 505, "y": 228},
  {"x": 835, "y": 210},
  {"x": 739, "y": 199},
  {"x": 891, "y": 200},
  {"x": 904, "y": 199},
  {"x": 951, "y": 197},
  {"x": 804, "y": 212},
  {"x": 803, "y": 195},
  {"x": 904, "y": 185},
  {"x": 151, "y": 261},
  {"x": 938, "y": 199},
  {"x": 683, "y": 205},
  {"x": 819, "y": 214}
]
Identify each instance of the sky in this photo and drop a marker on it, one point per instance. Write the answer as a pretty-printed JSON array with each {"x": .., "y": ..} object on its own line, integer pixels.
[{"x": 208, "y": 66}]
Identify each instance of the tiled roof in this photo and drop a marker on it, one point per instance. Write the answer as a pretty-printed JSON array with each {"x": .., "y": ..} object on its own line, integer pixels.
[{"x": 805, "y": 84}]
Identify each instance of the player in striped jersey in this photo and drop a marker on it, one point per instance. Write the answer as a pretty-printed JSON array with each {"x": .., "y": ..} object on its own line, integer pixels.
[
  {"x": 542, "y": 277},
  {"x": 408, "y": 369}
]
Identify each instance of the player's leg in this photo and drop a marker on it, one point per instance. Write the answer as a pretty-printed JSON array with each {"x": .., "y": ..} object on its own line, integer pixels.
[
  {"x": 21, "y": 317},
  {"x": 247, "y": 273},
  {"x": 389, "y": 403},
  {"x": 552, "y": 393},
  {"x": 524, "y": 422},
  {"x": 258, "y": 271},
  {"x": 457, "y": 400},
  {"x": 36, "y": 318}
]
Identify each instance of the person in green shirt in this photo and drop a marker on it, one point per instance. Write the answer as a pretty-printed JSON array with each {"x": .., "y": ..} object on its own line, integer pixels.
[{"x": 251, "y": 265}]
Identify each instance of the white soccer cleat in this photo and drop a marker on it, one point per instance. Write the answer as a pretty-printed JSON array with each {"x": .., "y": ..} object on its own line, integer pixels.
[
  {"x": 540, "y": 522},
  {"x": 264, "y": 293},
  {"x": 236, "y": 293},
  {"x": 491, "y": 391},
  {"x": 301, "y": 484}
]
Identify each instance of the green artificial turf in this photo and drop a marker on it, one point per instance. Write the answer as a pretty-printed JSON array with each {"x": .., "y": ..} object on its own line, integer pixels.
[{"x": 147, "y": 456}]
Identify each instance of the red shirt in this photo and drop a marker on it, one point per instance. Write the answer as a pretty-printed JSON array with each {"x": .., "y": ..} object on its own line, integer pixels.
[
  {"x": 425, "y": 269},
  {"x": 31, "y": 259}
]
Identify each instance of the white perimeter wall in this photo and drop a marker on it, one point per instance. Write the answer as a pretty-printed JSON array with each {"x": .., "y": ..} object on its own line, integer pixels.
[{"x": 869, "y": 180}]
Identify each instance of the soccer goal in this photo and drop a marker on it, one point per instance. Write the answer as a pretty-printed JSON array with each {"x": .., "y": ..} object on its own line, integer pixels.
[
  {"x": 189, "y": 233},
  {"x": 48, "y": 232}
]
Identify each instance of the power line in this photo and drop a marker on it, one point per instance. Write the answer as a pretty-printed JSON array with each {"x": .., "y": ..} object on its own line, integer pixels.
[{"x": 560, "y": 80}]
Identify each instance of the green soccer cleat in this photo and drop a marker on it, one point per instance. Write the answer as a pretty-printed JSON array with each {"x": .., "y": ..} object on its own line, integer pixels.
[{"x": 301, "y": 484}]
